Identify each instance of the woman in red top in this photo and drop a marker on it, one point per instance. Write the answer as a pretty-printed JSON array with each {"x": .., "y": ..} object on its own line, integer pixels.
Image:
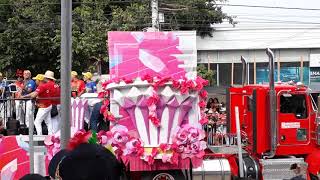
[{"x": 18, "y": 103}]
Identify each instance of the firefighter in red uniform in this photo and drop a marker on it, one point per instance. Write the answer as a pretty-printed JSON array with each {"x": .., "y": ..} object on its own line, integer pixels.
[{"x": 44, "y": 93}]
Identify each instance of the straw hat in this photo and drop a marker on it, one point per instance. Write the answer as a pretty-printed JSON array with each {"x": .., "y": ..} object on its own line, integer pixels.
[
  {"x": 74, "y": 73},
  {"x": 49, "y": 75},
  {"x": 88, "y": 75},
  {"x": 39, "y": 77}
]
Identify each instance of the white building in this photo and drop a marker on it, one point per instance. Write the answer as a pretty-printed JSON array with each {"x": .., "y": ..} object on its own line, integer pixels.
[{"x": 291, "y": 45}]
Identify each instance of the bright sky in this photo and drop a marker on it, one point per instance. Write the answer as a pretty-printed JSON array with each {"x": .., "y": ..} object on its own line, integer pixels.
[{"x": 253, "y": 16}]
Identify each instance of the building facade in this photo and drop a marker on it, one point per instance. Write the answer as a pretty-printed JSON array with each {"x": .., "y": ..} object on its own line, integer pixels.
[{"x": 294, "y": 49}]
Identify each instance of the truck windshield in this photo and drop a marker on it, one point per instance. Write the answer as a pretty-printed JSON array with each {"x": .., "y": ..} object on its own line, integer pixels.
[{"x": 295, "y": 104}]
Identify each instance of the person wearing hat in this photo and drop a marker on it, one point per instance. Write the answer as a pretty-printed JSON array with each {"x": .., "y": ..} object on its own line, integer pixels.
[
  {"x": 38, "y": 79},
  {"x": 85, "y": 162},
  {"x": 44, "y": 94},
  {"x": 77, "y": 85},
  {"x": 19, "y": 103},
  {"x": 91, "y": 86}
]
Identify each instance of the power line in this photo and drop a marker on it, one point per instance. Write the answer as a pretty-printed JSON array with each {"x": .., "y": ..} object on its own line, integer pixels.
[
  {"x": 139, "y": 1},
  {"x": 270, "y": 7},
  {"x": 78, "y": 3}
]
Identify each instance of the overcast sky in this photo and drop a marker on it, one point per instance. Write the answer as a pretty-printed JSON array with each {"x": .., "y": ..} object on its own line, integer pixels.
[{"x": 249, "y": 16}]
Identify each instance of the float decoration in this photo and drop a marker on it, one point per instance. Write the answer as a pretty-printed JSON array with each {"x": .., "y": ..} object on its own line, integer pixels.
[{"x": 154, "y": 97}]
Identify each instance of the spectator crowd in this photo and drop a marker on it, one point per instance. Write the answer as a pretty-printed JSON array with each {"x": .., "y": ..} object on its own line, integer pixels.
[
  {"x": 216, "y": 115},
  {"x": 19, "y": 96}
]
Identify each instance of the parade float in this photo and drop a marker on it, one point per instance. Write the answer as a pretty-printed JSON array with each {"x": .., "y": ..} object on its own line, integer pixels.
[{"x": 155, "y": 101}]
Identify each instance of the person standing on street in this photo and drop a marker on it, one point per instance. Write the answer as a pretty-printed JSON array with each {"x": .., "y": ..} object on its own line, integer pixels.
[
  {"x": 78, "y": 86},
  {"x": 91, "y": 86},
  {"x": 44, "y": 92},
  {"x": 29, "y": 86}
]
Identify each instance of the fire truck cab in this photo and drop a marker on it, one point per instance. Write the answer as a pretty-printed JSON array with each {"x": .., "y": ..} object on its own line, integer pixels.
[
  {"x": 279, "y": 127},
  {"x": 295, "y": 129}
]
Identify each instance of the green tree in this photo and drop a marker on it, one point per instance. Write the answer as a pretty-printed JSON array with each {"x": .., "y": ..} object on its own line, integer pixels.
[
  {"x": 206, "y": 73},
  {"x": 30, "y": 29}
]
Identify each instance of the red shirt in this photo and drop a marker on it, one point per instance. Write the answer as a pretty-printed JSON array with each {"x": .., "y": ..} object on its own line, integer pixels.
[
  {"x": 20, "y": 86},
  {"x": 56, "y": 95},
  {"x": 46, "y": 91},
  {"x": 79, "y": 86}
]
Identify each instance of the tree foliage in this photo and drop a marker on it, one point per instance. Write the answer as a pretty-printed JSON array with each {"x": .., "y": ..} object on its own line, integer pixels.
[
  {"x": 206, "y": 73},
  {"x": 30, "y": 29}
]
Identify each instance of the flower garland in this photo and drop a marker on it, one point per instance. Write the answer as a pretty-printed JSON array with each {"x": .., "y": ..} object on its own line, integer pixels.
[
  {"x": 184, "y": 86},
  {"x": 188, "y": 143},
  {"x": 152, "y": 101}
]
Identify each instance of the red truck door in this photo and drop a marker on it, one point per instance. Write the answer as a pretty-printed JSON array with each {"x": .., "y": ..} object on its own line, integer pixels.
[{"x": 293, "y": 118}]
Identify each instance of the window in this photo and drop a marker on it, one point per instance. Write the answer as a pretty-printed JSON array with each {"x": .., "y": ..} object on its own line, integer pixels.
[
  {"x": 294, "y": 103},
  {"x": 301, "y": 134},
  {"x": 225, "y": 74}
]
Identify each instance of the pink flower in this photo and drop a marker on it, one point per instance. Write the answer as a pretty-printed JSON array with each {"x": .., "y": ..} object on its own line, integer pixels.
[
  {"x": 162, "y": 81},
  {"x": 79, "y": 137},
  {"x": 102, "y": 137},
  {"x": 103, "y": 94},
  {"x": 164, "y": 147},
  {"x": 109, "y": 116},
  {"x": 194, "y": 135},
  {"x": 204, "y": 120},
  {"x": 199, "y": 87},
  {"x": 148, "y": 78},
  {"x": 155, "y": 121},
  {"x": 202, "y": 81},
  {"x": 153, "y": 99},
  {"x": 118, "y": 135},
  {"x": 175, "y": 158},
  {"x": 198, "y": 148},
  {"x": 134, "y": 146},
  {"x": 166, "y": 158},
  {"x": 203, "y": 94},
  {"x": 190, "y": 84},
  {"x": 150, "y": 160},
  {"x": 182, "y": 136},
  {"x": 127, "y": 81},
  {"x": 154, "y": 152},
  {"x": 175, "y": 84},
  {"x": 202, "y": 104}
]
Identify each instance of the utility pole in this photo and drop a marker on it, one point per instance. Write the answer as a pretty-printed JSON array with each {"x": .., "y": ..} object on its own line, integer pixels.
[
  {"x": 66, "y": 58},
  {"x": 155, "y": 14}
]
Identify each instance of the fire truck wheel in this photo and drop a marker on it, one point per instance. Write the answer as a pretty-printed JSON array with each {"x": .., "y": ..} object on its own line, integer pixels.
[
  {"x": 163, "y": 175},
  {"x": 250, "y": 168}
]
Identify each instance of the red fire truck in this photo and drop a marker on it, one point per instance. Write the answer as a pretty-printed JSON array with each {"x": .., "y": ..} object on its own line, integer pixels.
[{"x": 279, "y": 127}]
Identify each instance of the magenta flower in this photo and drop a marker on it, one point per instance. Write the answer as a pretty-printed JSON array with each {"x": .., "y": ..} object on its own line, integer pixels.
[{"x": 134, "y": 146}]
